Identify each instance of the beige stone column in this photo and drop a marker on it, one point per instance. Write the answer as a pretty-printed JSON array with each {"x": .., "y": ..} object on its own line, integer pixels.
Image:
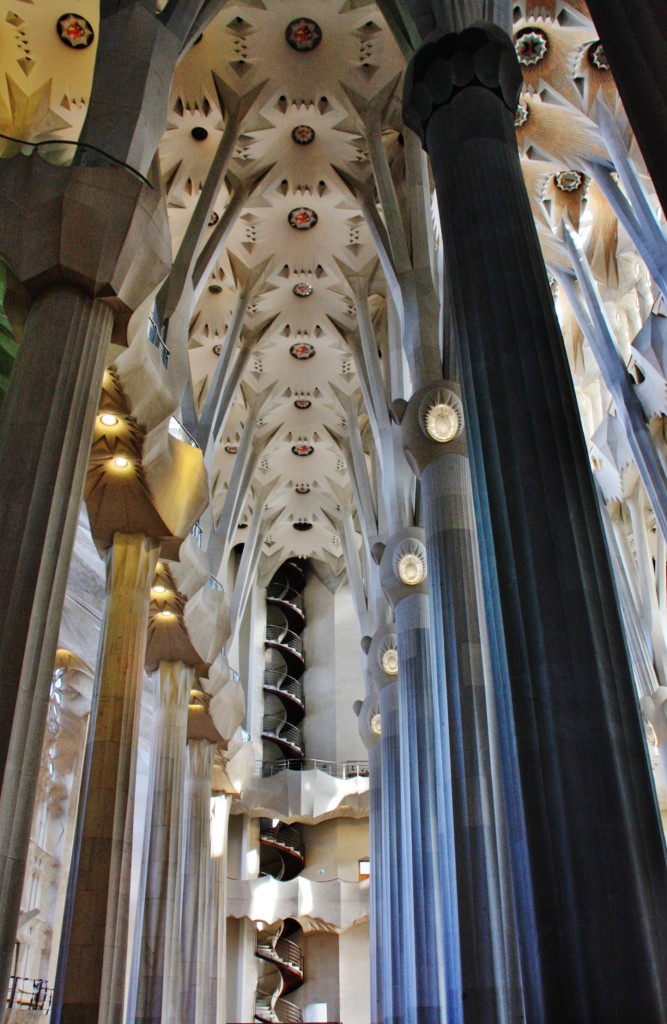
[
  {"x": 221, "y": 806},
  {"x": 158, "y": 988},
  {"x": 94, "y": 975},
  {"x": 197, "y": 883}
]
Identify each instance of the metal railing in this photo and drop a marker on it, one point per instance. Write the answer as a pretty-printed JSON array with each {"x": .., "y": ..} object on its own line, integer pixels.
[
  {"x": 337, "y": 769},
  {"x": 29, "y": 994},
  {"x": 155, "y": 338},
  {"x": 281, "y": 592},
  {"x": 284, "y": 951},
  {"x": 176, "y": 429},
  {"x": 274, "y": 727},
  {"x": 281, "y": 835},
  {"x": 276, "y": 1010},
  {"x": 64, "y": 152},
  {"x": 286, "y": 638},
  {"x": 278, "y": 681}
]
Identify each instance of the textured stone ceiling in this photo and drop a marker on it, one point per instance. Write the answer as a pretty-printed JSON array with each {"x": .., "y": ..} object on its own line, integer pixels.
[{"x": 296, "y": 402}]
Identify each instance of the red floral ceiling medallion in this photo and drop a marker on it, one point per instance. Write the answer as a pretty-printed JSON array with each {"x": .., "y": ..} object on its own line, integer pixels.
[
  {"x": 303, "y": 35},
  {"x": 303, "y": 134},
  {"x": 75, "y": 31},
  {"x": 302, "y": 449},
  {"x": 302, "y": 350},
  {"x": 302, "y": 218}
]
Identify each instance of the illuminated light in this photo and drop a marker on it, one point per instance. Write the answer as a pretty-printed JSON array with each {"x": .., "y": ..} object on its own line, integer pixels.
[
  {"x": 442, "y": 422},
  {"x": 390, "y": 661},
  {"x": 376, "y": 725},
  {"x": 166, "y": 613},
  {"x": 121, "y": 462},
  {"x": 411, "y": 569},
  {"x": 159, "y": 588},
  {"x": 108, "y": 420}
]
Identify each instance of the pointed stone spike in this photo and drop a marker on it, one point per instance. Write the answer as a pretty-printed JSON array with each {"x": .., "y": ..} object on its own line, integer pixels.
[{"x": 366, "y": 643}]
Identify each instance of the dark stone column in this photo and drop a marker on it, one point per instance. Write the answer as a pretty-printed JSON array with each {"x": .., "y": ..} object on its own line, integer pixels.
[
  {"x": 634, "y": 37},
  {"x": 588, "y": 857}
]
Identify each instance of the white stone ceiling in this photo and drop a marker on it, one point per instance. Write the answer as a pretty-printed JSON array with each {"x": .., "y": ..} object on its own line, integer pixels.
[{"x": 43, "y": 90}]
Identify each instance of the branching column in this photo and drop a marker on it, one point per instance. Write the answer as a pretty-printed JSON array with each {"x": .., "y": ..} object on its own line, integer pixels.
[{"x": 587, "y": 851}]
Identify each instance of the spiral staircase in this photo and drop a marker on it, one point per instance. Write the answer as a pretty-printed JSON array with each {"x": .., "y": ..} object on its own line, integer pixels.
[
  {"x": 282, "y": 959},
  {"x": 281, "y": 845}
]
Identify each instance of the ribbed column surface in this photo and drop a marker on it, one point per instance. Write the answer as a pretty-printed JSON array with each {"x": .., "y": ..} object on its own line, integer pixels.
[
  {"x": 159, "y": 965},
  {"x": 430, "y": 943},
  {"x": 377, "y": 874},
  {"x": 221, "y": 807},
  {"x": 489, "y": 956},
  {"x": 45, "y": 431},
  {"x": 593, "y": 863},
  {"x": 196, "y": 922},
  {"x": 391, "y": 976},
  {"x": 94, "y": 981}
]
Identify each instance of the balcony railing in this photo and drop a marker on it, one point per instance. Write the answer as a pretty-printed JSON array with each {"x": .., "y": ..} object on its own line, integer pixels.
[
  {"x": 337, "y": 769},
  {"x": 29, "y": 994}
]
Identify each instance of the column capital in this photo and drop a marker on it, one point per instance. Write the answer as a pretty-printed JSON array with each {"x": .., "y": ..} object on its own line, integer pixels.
[
  {"x": 482, "y": 55},
  {"x": 370, "y": 724}
]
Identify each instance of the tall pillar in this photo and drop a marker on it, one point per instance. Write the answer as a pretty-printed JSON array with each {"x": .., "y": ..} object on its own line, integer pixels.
[
  {"x": 221, "y": 807},
  {"x": 490, "y": 987},
  {"x": 427, "y": 887},
  {"x": 587, "y": 851},
  {"x": 395, "y": 932},
  {"x": 158, "y": 988},
  {"x": 92, "y": 965},
  {"x": 45, "y": 432},
  {"x": 197, "y": 883},
  {"x": 43, "y": 459},
  {"x": 370, "y": 729}
]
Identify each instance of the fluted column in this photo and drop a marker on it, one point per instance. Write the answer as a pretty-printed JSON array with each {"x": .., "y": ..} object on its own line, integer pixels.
[
  {"x": 391, "y": 977},
  {"x": 92, "y": 971},
  {"x": 427, "y": 886},
  {"x": 196, "y": 924},
  {"x": 587, "y": 852},
  {"x": 377, "y": 874},
  {"x": 221, "y": 806},
  {"x": 43, "y": 459},
  {"x": 158, "y": 987}
]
